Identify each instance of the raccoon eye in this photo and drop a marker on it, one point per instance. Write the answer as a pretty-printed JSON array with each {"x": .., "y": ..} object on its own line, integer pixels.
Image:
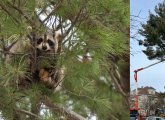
[
  {"x": 51, "y": 43},
  {"x": 40, "y": 40}
]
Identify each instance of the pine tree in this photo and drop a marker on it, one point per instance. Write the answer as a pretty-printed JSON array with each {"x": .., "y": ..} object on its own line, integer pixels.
[
  {"x": 97, "y": 87},
  {"x": 153, "y": 31}
]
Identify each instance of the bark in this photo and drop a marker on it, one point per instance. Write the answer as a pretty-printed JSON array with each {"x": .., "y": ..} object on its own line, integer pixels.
[{"x": 71, "y": 115}]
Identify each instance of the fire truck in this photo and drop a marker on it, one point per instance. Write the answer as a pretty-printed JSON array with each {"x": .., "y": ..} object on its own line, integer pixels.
[{"x": 135, "y": 112}]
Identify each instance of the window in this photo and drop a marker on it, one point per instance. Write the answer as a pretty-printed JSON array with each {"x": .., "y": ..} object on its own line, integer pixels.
[{"x": 158, "y": 119}]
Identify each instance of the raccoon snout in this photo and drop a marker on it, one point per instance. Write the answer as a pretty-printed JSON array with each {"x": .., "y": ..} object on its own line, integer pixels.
[{"x": 44, "y": 47}]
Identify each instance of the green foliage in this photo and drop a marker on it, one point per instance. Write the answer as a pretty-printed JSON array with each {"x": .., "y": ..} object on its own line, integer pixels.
[
  {"x": 153, "y": 32},
  {"x": 100, "y": 30}
]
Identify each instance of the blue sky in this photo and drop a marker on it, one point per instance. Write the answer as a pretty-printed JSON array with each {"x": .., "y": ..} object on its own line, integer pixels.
[{"x": 153, "y": 76}]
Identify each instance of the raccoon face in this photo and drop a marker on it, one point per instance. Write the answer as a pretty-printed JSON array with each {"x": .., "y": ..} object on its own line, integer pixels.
[{"x": 45, "y": 45}]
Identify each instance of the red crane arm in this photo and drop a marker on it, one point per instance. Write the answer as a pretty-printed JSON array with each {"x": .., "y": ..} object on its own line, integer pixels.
[
  {"x": 136, "y": 79},
  {"x": 148, "y": 66}
]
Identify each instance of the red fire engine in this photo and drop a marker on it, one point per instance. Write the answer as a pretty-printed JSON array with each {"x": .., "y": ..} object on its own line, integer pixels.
[{"x": 136, "y": 109}]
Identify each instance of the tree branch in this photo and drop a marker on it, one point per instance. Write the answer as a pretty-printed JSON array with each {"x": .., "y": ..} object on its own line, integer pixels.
[
  {"x": 115, "y": 77},
  {"x": 8, "y": 12},
  {"x": 73, "y": 23},
  {"x": 27, "y": 113},
  {"x": 55, "y": 8},
  {"x": 62, "y": 110},
  {"x": 21, "y": 12}
]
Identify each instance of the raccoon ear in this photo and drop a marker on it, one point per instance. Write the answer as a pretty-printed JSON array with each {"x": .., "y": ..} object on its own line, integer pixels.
[
  {"x": 29, "y": 28},
  {"x": 58, "y": 36}
]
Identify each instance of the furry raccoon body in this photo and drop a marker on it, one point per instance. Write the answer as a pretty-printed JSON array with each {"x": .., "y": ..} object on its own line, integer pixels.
[{"x": 46, "y": 48}]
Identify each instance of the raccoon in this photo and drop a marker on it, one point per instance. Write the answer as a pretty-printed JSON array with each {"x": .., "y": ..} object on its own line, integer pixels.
[
  {"x": 48, "y": 43},
  {"x": 48, "y": 46}
]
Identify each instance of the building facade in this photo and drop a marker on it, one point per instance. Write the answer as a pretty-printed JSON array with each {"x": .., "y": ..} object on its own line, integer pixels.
[{"x": 147, "y": 99}]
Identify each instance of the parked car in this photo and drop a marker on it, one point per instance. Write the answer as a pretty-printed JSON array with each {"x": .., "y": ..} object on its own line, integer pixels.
[
  {"x": 133, "y": 114},
  {"x": 154, "y": 118},
  {"x": 160, "y": 112}
]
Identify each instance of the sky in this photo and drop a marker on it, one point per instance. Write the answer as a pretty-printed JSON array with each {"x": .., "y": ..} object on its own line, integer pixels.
[{"x": 153, "y": 76}]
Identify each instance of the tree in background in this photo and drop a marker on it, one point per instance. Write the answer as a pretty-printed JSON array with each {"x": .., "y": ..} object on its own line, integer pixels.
[
  {"x": 161, "y": 97},
  {"x": 153, "y": 32},
  {"x": 97, "y": 87}
]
